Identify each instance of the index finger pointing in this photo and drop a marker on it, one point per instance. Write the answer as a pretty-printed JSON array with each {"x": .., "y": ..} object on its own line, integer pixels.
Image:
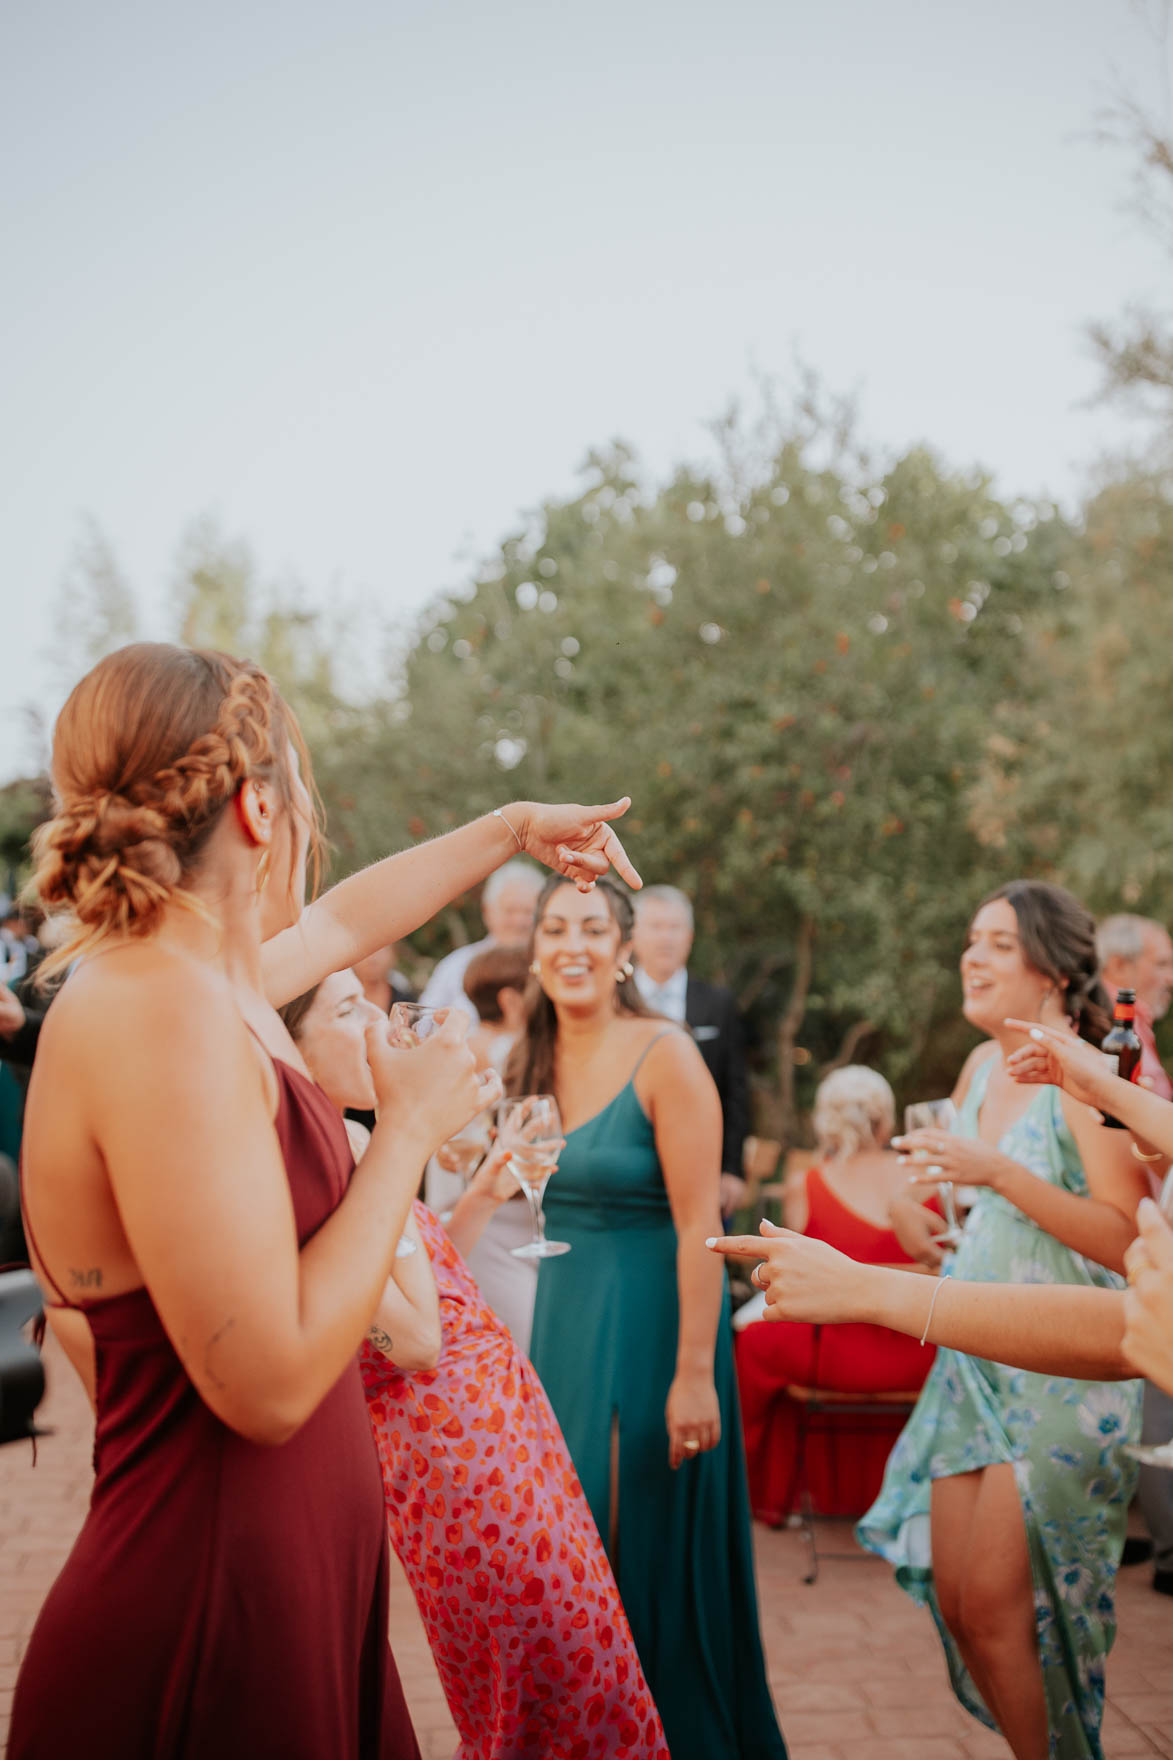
[
  {"x": 619, "y": 860},
  {"x": 738, "y": 1246}
]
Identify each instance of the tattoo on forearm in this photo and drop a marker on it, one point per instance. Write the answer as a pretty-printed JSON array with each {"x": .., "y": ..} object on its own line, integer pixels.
[
  {"x": 91, "y": 1278},
  {"x": 216, "y": 1338},
  {"x": 381, "y": 1340}
]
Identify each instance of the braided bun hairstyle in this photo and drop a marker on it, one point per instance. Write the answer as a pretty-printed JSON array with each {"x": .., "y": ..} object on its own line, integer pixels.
[
  {"x": 148, "y": 751},
  {"x": 1058, "y": 938},
  {"x": 531, "y": 1065}
]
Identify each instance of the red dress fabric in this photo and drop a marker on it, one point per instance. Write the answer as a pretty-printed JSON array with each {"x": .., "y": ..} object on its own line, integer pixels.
[
  {"x": 844, "y": 1467},
  {"x": 222, "y": 1599},
  {"x": 491, "y": 1526}
]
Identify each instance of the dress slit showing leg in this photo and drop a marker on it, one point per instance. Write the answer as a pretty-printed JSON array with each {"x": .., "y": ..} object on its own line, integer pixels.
[{"x": 613, "y": 1506}]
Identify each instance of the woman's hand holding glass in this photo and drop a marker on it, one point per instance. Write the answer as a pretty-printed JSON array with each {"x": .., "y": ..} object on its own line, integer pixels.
[
  {"x": 930, "y": 1119},
  {"x": 431, "y": 1092},
  {"x": 494, "y": 1177},
  {"x": 530, "y": 1127},
  {"x": 965, "y": 1161}
]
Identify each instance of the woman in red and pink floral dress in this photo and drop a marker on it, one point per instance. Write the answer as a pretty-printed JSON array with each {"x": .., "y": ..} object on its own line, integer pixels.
[{"x": 484, "y": 1508}]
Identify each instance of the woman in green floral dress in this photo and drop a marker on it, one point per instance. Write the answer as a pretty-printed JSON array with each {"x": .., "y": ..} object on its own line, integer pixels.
[{"x": 1005, "y": 1500}]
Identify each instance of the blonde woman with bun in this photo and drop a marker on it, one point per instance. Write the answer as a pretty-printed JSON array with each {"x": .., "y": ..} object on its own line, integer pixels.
[
  {"x": 843, "y": 1200},
  {"x": 211, "y": 1259}
]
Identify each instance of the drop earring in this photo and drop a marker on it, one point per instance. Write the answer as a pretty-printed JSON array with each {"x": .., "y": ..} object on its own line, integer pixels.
[{"x": 625, "y": 971}]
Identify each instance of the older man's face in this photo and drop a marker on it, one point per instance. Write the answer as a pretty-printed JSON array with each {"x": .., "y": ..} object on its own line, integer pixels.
[
  {"x": 663, "y": 939},
  {"x": 510, "y": 917},
  {"x": 1154, "y": 973}
]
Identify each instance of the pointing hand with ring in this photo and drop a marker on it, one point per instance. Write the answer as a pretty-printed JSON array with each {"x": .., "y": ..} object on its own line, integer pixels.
[{"x": 693, "y": 1416}]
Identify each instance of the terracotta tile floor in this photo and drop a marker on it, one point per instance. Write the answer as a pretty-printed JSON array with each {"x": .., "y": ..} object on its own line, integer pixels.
[{"x": 856, "y": 1669}]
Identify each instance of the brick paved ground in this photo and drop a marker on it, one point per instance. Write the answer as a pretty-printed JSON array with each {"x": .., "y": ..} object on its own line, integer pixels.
[{"x": 856, "y": 1669}]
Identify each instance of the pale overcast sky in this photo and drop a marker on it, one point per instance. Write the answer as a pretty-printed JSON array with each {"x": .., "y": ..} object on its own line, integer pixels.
[{"x": 366, "y": 279}]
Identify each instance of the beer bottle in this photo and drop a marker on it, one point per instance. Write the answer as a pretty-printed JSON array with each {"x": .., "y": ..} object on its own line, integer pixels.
[{"x": 1123, "y": 1043}]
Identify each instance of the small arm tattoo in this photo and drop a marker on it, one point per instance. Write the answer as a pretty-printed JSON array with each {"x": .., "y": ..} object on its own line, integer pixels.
[
  {"x": 91, "y": 1278},
  {"x": 216, "y": 1338},
  {"x": 381, "y": 1340}
]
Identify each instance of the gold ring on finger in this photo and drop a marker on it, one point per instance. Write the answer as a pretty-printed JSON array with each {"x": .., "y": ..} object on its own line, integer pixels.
[{"x": 692, "y": 1445}]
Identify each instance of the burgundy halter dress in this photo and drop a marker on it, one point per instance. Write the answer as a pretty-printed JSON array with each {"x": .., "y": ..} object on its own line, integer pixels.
[{"x": 223, "y": 1599}]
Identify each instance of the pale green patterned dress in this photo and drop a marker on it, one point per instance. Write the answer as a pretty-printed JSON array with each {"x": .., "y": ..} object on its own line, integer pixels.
[{"x": 1063, "y": 1437}]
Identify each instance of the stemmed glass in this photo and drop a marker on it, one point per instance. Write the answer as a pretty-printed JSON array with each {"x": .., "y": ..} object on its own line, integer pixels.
[
  {"x": 530, "y": 1127},
  {"x": 1157, "y": 1454},
  {"x": 937, "y": 1115},
  {"x": 464, "y": 1152}
]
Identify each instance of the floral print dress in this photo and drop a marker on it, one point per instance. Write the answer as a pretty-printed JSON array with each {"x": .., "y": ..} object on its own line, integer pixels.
[
  {"x": 1063, "y": 1438},
  {"x": 489, "y": 1521}
]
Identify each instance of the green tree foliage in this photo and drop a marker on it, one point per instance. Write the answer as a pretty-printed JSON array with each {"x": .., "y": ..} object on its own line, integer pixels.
[
  {"x": 790, "y": 662},
  {"x": 847, "y": 698}
]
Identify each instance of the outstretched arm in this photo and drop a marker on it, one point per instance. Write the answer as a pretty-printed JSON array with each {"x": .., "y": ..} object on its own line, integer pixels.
[
  {"x": 387, "y": 901},
  {"x": 1052, "y": 1329}
]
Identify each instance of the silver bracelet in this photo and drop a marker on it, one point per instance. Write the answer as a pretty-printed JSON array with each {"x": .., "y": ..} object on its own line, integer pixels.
[
  {"x": 924, "y": 1337},
  {"x": 498, "y": 814}
]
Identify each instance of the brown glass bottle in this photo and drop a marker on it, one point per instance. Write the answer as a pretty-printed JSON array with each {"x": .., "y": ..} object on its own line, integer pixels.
[{"x": 1123, "y": 1043}]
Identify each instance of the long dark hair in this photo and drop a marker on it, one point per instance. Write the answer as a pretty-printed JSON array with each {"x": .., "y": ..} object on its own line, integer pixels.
[
  {"x": 531, "y": 1065},
  {"x": 1058, "y": 937}
]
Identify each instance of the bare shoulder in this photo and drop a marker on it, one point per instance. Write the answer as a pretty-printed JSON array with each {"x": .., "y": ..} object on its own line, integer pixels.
[
  {"x": 978, "y": 1057},
  {"x": 669, "y": 1053},
  {"x": 144, "y": 1005}
]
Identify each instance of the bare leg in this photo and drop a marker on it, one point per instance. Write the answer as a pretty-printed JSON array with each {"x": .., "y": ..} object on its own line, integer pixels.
[
  {"x": 953, "y": 1512},
  {"x": 998, "y": 1615}
]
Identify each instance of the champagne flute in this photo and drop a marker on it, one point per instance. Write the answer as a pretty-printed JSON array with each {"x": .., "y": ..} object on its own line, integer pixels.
[
  {"x": 937, "y": 1115},
  {"x": 1157, "y": 1454},
  {"x": 464, "y": 1152},
  {"x": 530, "y": 1127}
]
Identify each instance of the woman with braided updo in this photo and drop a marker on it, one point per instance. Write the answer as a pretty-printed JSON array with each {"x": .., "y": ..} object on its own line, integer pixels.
[
  {"x": 1005, "y": 1500},
  {"x": 210, "y": 1256}
]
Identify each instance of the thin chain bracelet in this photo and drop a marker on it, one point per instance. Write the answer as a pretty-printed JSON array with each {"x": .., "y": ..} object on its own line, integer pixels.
[
  {"x": 941, "y": 1282},
  {"x": 498, "y": 814}
]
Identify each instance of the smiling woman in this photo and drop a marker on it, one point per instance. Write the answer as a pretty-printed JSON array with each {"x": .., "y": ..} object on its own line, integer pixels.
[
  {"x": 1005, "y": 1500},
  {"x": 631, "y": 1329}
]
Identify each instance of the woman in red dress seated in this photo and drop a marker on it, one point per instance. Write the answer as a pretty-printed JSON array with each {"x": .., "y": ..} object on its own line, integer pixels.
[{"x": 845, "y": 1200}]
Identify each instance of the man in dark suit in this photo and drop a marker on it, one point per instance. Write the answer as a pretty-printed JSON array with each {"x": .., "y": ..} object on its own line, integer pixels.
[{"x": 662, "y": 944}]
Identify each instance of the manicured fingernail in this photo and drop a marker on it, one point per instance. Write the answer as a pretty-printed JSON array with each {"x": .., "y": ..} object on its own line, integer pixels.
[
  {"x": 712, "y": 1241},
  {"x": 1035, "y": 1034}
]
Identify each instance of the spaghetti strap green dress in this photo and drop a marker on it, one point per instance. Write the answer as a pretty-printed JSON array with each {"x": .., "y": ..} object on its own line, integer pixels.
[
  {"x": 604, "y": 1345},
  {"x": 1064, "y": 1438}
]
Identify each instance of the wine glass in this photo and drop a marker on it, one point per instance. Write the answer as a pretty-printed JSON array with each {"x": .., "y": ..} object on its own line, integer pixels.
[
  {"x": 410, "y": 1023},
  {"x": 937, "y": 1115},
  {"x": 464, "y": 1152},
  {"x": 1157, "y": 1454},
  {"x": 530, "y": 1127}
]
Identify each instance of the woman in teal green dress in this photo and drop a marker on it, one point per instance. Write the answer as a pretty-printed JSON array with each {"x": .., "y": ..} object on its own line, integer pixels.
[
  {"x": 631, "y": 1332},
  {"x": 1005, "y": 1501}
]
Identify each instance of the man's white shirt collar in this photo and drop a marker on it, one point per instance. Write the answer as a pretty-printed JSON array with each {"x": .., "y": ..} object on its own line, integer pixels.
[{"x": 668, "y": 998}]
